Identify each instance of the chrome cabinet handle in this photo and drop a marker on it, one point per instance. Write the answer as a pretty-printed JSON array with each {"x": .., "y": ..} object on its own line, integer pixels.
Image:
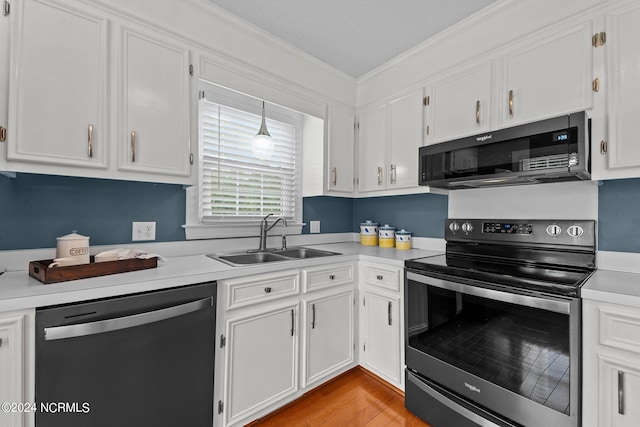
[
  {"x": 389, "y": 308},
  {"x": 267, "y": 290},
  {"x": 392, "y": 175},
  {"x": 334, "y": 179},
  {"x": 332, "y": 277},
  {"x": 3, "y": 134},
  {"x": 511, "y": 103},
  {"x": 115, "y": 324},
  {"x": 0, "y": 342},
  {"x": 293, "y": 319},
  {"x": 133, "y": 146},
  {"x": 478, "y": 111},
  {"x": 379, "y": 175},
  {"x": 90, "y": 138},
  {"x": 379, "y": 277},
  {"x": 313, "y": 316},
  {"x": 620, "y": 392}
]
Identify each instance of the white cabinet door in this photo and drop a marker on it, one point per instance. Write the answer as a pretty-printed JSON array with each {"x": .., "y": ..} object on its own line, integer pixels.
[
  {"x": 619, "y": 392},
  {"x": 372, "y": 143},
  {"x": 329, "y": 336},
  {"x": 15, "y": 367},
  {"x": 261, "y": 362},
  {"x": 406, "y": 124},
  {"x": 460, "y": 104},
  {"x": 622, "y": 52},
  {"x": 550, "y": 76},
  {"x": 611, "y": 365},
  {"x": 154, "y": 134},
  {"x": 341, "y": 149},
  {"x": 381, "y": 329},
  {"x": 58, "y": 85}
]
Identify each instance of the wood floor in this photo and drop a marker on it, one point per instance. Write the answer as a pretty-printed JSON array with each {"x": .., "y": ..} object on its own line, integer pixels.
[{"x": 352, "y": 400}]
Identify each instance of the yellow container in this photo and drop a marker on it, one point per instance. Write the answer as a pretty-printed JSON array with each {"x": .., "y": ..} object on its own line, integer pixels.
[
  {"x": 387, "y": 236},
  {"x": 369, "y": 233},
  {"x": 368, "y": 240},
  {"x": 403, "y": 239}
]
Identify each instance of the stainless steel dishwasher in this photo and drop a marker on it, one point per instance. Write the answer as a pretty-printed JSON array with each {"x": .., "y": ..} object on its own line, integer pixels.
[{"x": 139, "y": 360}]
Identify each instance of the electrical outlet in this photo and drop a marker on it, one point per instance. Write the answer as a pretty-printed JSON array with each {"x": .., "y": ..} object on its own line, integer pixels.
[
  {"x": 143, "y": 231},
  {"x": 314, "y": 226}
]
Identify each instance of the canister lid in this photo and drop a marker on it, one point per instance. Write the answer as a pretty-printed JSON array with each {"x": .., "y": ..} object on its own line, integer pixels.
[
  {"x": 387, "y": 227},
  {"x": 369, "y": 223},
  {"x": 73, "y": 236},
  {"x": 403, "y": 232}
]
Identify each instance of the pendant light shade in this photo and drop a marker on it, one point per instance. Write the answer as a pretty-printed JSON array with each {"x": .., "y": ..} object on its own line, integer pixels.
[{"x": 263, "y": 144}]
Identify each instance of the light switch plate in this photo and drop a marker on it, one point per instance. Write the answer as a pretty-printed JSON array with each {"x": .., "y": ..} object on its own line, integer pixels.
[{"x": 314, "y": 226}]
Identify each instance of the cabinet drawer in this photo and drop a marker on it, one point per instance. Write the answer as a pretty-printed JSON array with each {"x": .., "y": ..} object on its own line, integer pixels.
[
  {"x": 325, "y": 277},
  {"x": 388, "y": 278},
  {"x": 255, "y": 289},
  {"x": 620, "y": 328}
]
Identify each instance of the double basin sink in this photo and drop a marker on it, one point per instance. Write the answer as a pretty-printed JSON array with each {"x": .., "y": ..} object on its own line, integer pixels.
[{"x": 238, "y": 259}]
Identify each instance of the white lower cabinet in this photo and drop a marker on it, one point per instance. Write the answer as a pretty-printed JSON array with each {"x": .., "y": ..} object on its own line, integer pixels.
[
  {"x": 262, "y": 361},
  {"x": 382, "y": 342},
  {"x": 611, "y": 368},
  {"x": 329, "y": 344},
  {"x": 17, "y": 366},
  {"x": 262, "y": 325}
]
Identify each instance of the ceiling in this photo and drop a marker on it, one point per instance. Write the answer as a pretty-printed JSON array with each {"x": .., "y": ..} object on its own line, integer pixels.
[{"x": 355, "y": 36}]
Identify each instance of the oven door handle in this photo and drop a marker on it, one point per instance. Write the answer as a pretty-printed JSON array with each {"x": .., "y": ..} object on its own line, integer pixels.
[{"x": 556, "y": 305}]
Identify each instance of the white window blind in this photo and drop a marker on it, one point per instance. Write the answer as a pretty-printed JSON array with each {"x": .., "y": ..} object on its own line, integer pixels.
[{"x": 235, "y": 185}]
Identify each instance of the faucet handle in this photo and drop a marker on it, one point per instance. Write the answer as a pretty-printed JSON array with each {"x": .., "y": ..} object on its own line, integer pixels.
[
  {"x": 265, "y": 218},
  {"x": 284, "y": 242}
]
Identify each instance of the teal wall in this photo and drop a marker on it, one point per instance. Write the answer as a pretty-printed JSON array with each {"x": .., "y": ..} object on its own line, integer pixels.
[
  {"x": 35, "y": 209},
  {"x": 38, "y": 208}
]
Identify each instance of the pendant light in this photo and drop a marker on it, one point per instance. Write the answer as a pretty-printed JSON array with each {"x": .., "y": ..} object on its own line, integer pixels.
[{"x": 263, "y": 144}]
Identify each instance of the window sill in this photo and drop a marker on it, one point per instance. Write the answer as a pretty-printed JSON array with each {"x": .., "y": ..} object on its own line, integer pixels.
[{"x": 221, "y": 231}]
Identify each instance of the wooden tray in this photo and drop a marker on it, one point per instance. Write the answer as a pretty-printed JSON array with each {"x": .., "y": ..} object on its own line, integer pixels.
[{"x": 41, "y": 271}]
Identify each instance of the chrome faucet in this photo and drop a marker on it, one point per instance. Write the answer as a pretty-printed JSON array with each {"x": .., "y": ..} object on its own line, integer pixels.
[{"x": 265, "y": 227}]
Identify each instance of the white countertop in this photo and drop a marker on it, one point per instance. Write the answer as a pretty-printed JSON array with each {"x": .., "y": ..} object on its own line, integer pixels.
[
  {"x": 20, "y": 291},
  {"x": 616, "y": 287}
]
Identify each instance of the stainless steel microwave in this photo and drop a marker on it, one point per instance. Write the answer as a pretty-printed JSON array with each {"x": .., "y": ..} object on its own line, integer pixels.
[{"x": 556, "y": 149}]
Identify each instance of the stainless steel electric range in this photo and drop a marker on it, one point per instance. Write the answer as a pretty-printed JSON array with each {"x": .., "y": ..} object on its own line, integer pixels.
[{"x": 493, "y": 326}]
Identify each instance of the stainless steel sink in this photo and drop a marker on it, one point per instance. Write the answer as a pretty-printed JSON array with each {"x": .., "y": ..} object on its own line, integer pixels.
[
  {"x": 237, "y": 259},
  {"x": 301, "y": 253}
]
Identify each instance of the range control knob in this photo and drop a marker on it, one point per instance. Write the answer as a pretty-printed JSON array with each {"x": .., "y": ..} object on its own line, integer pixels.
[
  {"x": 467, "y": 227},
  {"x": 575, "y": 231},
  {"x": 554, "y": 230},
  {"x": 454, "y": 226}
]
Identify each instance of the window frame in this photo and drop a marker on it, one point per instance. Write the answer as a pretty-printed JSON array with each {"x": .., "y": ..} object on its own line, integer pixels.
[{"x": 196, "y": 227}]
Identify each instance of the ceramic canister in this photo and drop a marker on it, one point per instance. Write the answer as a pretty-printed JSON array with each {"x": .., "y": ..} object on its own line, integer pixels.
[
  {"x": 403, "y": 239},
  {"x": 387, "y": 236},
  {"x": 75, "y": 246},
  {"x": 369, "y": 233}
]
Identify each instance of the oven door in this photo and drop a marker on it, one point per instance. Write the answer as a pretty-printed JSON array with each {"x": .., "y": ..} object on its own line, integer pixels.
[{"x": 514, "y": 354}]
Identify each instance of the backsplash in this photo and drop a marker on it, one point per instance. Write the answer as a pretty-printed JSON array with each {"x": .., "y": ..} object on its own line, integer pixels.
[
  {"x": 38, "y": 208},
  {"x": 619, "y": 215}
]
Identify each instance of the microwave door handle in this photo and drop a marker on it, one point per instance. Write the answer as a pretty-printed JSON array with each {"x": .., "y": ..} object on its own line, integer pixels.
[
  {"x": 555, "y": 305},
  {"x": 118, "y": 323}
]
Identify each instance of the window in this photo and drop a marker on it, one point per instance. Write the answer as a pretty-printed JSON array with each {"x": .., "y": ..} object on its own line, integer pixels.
[{"x": 237, "y": 185}]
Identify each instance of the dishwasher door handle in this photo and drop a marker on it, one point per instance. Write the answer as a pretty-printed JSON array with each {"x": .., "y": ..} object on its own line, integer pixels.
[{"x": 92, "y": 328}]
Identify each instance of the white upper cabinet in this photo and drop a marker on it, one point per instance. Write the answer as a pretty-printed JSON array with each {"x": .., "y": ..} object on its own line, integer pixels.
[
  {"x": 154, "y": 131},
  {"x": 372, "y": 139},
  {"x": 94, "y": 95},
  {"x": 616, "y": 152},
  {"x": 459, "y": 104},
  {"x": 388, "y": 141},
  {"x": 341, "y": 149},
  {"x": 58, "y": 85},
  {"x": 547, "y": 75},
  {"x": 406, "y": 121}
]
